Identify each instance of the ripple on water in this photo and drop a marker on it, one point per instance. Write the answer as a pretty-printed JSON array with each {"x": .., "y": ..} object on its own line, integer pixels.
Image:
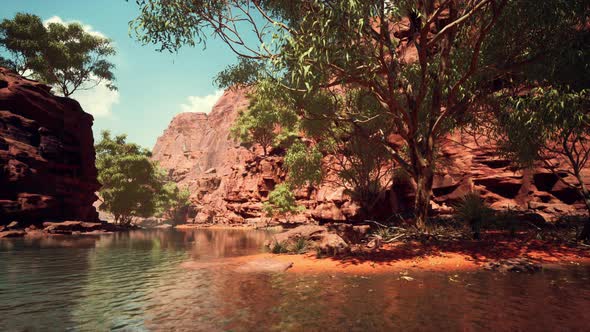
[{"x": 136, "y": 281}]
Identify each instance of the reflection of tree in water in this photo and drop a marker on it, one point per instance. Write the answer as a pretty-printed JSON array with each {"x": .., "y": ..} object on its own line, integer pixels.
[
  {"x": 122, "y": 271},
  {"x": 226, "y": 243}
]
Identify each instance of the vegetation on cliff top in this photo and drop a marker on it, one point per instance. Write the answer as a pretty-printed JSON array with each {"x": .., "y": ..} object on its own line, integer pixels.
[{"x": 64, "y": 56}]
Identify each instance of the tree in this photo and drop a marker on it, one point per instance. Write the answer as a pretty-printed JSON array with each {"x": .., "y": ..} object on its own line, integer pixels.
[
  {"x": 173, "y": 202},
  {"x": 543, "y": 115},
  {"x": 282, "y": 201},
  {"x": 268, "y": 120},
  {"x": 551, "y": 125},
  {"x": 429, "y": 79},
  {"x": 130, "y": 181},
  {"x": 23, "y": 38},
  {"x": 61, "y": 55}
]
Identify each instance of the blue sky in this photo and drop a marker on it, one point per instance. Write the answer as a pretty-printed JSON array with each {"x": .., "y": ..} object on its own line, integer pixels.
[{"x": 153, "y": 86}]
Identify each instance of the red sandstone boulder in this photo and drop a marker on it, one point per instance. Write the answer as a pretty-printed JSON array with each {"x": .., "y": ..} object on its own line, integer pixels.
[{"x": 12, "y": 233}]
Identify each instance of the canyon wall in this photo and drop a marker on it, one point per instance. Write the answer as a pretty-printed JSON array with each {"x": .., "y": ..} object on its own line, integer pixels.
[
  {"x": 230, "y": 183},
  {"x": 47, "y": 169}
]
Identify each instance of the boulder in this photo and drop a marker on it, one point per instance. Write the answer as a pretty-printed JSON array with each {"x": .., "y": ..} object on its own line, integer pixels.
[
  {"x": 318, "y": 237},
  {"x": 12, "y": 233},
  {"x": 332, "y": 244},
  {"x": 68, "y": 227}
]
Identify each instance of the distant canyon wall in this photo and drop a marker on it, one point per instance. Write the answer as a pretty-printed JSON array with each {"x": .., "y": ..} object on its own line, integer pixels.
[{"x": 230, "y": 183}]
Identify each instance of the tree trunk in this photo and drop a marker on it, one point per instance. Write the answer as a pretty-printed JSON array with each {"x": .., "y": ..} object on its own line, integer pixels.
[{"x": 424, "y": 180}]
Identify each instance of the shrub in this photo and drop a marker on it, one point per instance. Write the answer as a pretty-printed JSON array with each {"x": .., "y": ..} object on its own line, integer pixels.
[
  {"x": 473, "y": 211},
  {"x": 279, "y": 248},
  {"x": 300, "y": 246}
]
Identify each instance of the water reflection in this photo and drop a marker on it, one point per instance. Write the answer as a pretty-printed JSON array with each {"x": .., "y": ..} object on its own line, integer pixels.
[{"x": 135, "y": 281}]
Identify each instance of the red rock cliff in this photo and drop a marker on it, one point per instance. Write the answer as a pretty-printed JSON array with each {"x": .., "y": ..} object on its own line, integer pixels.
[
  {"x": 229, "y": 183},
  {"x": 47, "y": 169}
]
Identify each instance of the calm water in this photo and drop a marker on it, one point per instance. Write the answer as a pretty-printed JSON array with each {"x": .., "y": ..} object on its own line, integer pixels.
[{"x": 135, "y": 282}]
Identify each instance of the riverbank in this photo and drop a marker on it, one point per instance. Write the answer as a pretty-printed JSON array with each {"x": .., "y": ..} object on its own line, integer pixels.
[
  {"x": 443, "y": 257},
  {"x": 15, "y": 230},
  {"x": 405, "y": 258}
]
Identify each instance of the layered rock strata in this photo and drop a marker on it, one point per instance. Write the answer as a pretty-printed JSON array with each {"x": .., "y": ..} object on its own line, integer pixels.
[{"x": 47, "y": 157}]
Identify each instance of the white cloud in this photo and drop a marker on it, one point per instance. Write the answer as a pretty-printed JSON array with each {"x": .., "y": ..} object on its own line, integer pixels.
[
  {"x": 88, "y": 28},
  {"x": 98, "y": 101},
  {"x": 201, "y": 104}
]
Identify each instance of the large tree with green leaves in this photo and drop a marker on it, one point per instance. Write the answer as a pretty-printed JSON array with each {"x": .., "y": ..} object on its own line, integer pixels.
[
  {"x": 131, "y": 182},
  {"x": 432, "y": 66},
  {"x": 64, "y": 56}
]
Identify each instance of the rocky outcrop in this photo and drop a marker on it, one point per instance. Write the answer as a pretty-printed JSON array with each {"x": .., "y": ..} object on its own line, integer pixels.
[
  {"x": 196, "y": 144},
  {"x": 229, "y": 183},
  {"x": 472, "y": 163},
  {"x": 47, "y": 170}
]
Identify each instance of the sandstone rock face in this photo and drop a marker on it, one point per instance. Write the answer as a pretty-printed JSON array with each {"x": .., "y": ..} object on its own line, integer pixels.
[
  {"x": 229, "y": 183},
  {"x": 473, "y": 164},
  {"x": 47, "y": 156},
  {"x": 197, "y": 143}
]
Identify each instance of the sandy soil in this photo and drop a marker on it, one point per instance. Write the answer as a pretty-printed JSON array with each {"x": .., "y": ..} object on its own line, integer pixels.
[{"x": 454, "y": 256}]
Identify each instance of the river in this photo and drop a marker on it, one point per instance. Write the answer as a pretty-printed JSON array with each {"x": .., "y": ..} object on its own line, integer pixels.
[{"x": 137, "y": 281}]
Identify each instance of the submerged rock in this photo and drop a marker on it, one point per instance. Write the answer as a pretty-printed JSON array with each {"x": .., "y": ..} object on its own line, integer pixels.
[
  {"x": 513, "y": 265},
  {"x": 264, "y": 265}
]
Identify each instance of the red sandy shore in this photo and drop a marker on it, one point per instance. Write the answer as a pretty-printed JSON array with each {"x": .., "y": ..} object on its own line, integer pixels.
[
  {"x": 459, "y": 255},
  {"x": 454, "y": 256}
]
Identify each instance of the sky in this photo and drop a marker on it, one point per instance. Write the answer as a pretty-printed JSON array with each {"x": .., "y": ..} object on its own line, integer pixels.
[{"x": 153, "y": 86}]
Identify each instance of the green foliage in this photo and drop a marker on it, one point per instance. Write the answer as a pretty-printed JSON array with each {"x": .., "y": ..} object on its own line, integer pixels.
[
  {"x": 300, "y": 246},
  {"x": 279, "y": 248},
  {"x": 542, "y": 120},
  {"x": 132, "y": 184},
  {"x": 173, "y": 202},
  {"x": 281, "y": 201},
  {"x": 244, "y": 73},
  {"x": 304, "y": 164},
  {"x": 23, "y": 39},
  {"x": 385, "y": 233},
  {"x": 268, "y": 121},
  {"x": 63, "y": 56},
  {"x": 444, "y": 73},
  {"x": 473, "y": 211}
]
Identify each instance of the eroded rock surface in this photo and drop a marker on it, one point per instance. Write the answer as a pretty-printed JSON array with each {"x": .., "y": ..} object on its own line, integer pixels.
[
  {"x": 229, "y": 183},
  {"x": 47, "y": 169}
]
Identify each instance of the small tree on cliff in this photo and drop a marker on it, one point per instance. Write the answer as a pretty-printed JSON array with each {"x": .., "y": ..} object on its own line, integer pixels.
[
  {"x": 268, "y": 121},
  {"x": 429, "y": 78},
  {"x": 131, "y": 182},
  {"x": 61, "y": 55},
  {"x": 23, "y": 39},
  {"x": 282, "y": 202}
]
